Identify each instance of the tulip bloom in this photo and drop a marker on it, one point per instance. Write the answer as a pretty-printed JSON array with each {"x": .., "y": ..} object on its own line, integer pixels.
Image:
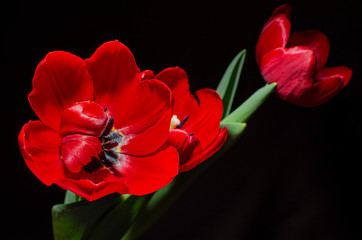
[
  {"x": 195, "y": 125},
  {"x": 102, "y": 129},
  {"x": 296, "y": 63}
]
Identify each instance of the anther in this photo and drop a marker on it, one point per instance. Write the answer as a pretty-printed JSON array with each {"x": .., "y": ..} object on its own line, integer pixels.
[{"x": 182, "y": 122}]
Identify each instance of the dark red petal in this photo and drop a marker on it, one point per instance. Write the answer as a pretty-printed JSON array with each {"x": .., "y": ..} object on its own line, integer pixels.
[
  {"x": 275, "y": 32},
  {"x": 342, "y": 73},
  {"x": 188, "y": 146},
  {"x": 292, "y": 69},
  {"x": 204, "y": 119},
  {"x": 316, "y": 41},
  {"x": 143, "y": 117},
  {"x": 329, "y": 82},
  {"x": 147, "y": 75},
  {"x": 83, "y": 117},
  {"x": 77, "y": 150},
  {"x": 144, "y": 175},
  {"x": 90, "y": 190},
  {"x": 114, "y": 71},
  {"x": 283, "y": 9},
  {"x": 40, "y": 147},
  {"x": 60, "y": 80}
]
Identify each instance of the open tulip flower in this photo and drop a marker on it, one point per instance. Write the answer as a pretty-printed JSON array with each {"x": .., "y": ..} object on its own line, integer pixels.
[
  {"x": 296, "y": 63},
  {"x": 195, "y": 125},
  {"x": 102, "y": 129}
]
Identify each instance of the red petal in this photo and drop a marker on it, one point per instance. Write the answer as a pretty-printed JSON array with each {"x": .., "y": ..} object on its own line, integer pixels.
[
  {"x": 60, "y": 80},
  {"x": 342, "y": 73},
  {"x": 147, "y": 75},
  {"x": 275, "y": 32},
  {"x": 216, "y": 145},
  {"x": 84, "y": 118},
  {"x": 40, "y": 147},
  {"x": 330, "y": 81},
  {"x": 188, "y": 147},
  {"x": 144, "y": 175},
  {"x": 292, "y": 69},
  {"x": 77, "y": 150},
  {"x": 204, "y": 119},
  {"x": 176, "y": 79},
  {"x": 144, "y": 117},
  {"x": 90, "y": 190},
  {"x": 114, "y": 71},
  {"x": 314, "y": 40}
]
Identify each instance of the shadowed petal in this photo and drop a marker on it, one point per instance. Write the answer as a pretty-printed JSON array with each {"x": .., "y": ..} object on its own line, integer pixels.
[{"x": 316, "y": 41}]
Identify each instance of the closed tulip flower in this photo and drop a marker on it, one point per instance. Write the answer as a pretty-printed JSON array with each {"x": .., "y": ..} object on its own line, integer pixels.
[{"x": 296, "y": 63}]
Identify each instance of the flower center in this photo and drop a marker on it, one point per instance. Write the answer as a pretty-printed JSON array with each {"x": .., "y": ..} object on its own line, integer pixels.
[
  {"x": 110, "y": 140},
  {"x": 176, "y": 123},
  {"x": 89, "y": 139}
]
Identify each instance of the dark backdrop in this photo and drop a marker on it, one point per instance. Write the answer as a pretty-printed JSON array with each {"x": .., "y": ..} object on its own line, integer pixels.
[{"x": 293, "y": 175}]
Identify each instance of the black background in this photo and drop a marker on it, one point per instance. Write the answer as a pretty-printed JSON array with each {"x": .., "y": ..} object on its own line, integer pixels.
[{"x": 295, "y": 172}]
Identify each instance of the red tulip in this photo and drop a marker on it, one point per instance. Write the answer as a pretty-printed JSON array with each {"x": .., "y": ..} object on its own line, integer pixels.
[
  {"x": 102, "y": 130},
  {"x": 195, "y": 125},
  {"x": 296, "y": 63}
]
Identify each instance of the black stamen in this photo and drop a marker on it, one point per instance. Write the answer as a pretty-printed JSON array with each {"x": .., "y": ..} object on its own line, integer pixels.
[
  {"x": 182, "y": 122},
  {"x": 107, "y": 129},
  {"x": 109, "y": 158},
  {"x": 104, "y": 109},
  {"x": 111, "y": 140}
]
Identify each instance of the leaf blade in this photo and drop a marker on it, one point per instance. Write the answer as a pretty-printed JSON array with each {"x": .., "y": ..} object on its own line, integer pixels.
[{"x": 230, "y": 80}]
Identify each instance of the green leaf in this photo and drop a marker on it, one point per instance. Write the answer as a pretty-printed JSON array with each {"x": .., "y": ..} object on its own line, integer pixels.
[
  {"x": 73, "y": 221},
  {"x": 71, "y": 197},
  {"x": 247, "y": 108},
  {"x": 117, "y": 221},
  {"x": 229, "y": 82}
]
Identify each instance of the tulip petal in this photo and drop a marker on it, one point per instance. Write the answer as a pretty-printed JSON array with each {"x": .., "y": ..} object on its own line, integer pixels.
[
  {"x": 292, "y": 69},
  {"x": 40, "y": 147},
  {"x": 275, "y": 32},
  {"x": 60, "y": 80},
  {"x": 316, "y": 41},
  {"x": 114, "y": 71},
  {"x": 188, "y": 146},
  {"x": 146, "y": 174},
  {"x": 176, "y": 79},
  {"x": 204, "y": 118},
  {"x": 216, "y": 145},
  {"x": 143, "y": 117},
  {"x": 330, "y": 81},
  {"x": 78, "y": 150},
  {"x": 84, "y": 118},
  {"x": 88, "y": 189}
]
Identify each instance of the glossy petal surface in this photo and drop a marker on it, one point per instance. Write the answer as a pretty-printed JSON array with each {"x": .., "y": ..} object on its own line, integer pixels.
[
  {"x": 39, "y": 145},
  {"x": 144, "y": 117},
  {"x": 114, "y": 71},
  {"x": 292, "y": 69},
  {"x": 275, "y": 33},
  {"x": 143, "y": 175},
  {"x": 60, "y": 80}
]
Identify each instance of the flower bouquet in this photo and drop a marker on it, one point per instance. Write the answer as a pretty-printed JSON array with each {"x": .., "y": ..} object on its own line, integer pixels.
[{"x": 126, "y": 143}]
